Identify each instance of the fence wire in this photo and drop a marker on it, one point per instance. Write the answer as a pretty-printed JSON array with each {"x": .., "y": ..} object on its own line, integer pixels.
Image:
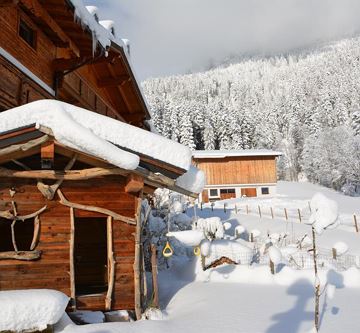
[{"x": 299, "y": 259}]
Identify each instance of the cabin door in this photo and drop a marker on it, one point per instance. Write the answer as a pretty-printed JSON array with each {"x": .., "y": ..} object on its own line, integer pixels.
[
  {"x": 90, "y": 256},
  {"x": 248, "y": 192}
]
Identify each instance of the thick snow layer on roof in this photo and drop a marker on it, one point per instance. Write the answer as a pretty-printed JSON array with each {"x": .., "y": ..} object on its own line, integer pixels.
[
  {"x": 97, "y": 135},
  {"x": 31, "y": 309},
  {"x": 193, "y": 180},
  {"x": 234, "y": 153}
]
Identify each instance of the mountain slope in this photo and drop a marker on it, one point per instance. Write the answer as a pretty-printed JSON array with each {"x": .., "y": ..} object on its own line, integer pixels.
[{"x": 302, "y": 105}]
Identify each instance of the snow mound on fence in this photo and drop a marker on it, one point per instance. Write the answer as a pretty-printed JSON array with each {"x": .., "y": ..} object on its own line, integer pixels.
[
  {"x": 98, "y": 135},
  {"x": 324, "y": 213},
  {"x": 31, "y": 309}
]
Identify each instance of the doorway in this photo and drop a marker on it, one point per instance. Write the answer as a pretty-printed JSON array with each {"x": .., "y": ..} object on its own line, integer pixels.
[{"x": 90, "y": 256}]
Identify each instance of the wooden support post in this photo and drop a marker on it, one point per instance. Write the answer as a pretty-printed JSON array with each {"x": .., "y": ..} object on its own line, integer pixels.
[
  {"x": 251, "y": 237},
  {"x": 137, "y": 278},
  {"x": 299, "y": 214},
  {"x": 155, "y": 301},
  {"x": 111, "y": 264},
  {"x": 355, "y": 223},
  {"x": 72, "y": 263},
  {"x": 36, "y": 234},
  {"x": 334, "y": 254},
  {"x": 272, "y": 212},
  {"x": 272, "y": 268},
  {"x": 259, "y": 208},
  {"x": 286, "y": 214}
]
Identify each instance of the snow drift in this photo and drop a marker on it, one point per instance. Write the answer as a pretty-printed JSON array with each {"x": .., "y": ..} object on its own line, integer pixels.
[{"x": 31, "y": 309}]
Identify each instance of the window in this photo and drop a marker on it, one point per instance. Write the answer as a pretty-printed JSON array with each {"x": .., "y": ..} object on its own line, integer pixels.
[
  {"x": 227, "y": 190},
  {"x": 27, "y": 33},
  {"x": 264, "y": 190},
  {"x": 24, "y": 231},
  {"x": 214, "y": 192}
]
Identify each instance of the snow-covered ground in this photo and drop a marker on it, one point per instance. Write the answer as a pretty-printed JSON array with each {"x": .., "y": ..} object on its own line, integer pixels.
[{"x": 249, "y": 299}]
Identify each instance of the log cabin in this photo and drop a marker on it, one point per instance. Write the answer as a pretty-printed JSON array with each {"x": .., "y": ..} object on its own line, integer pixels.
[
  {"x": 237, "y": 173},
  {"x": 60, "y": 49},
  {"x": 71, "y": 189}
]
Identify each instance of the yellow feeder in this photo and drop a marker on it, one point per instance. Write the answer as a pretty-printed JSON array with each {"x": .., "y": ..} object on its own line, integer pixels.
[
  {"x": 197, "y": 250},
  {"x": 167, "y": 250}
]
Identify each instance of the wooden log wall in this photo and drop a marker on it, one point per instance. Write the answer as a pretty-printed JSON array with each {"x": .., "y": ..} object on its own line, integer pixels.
[
  {"x": 238, "y": 170},
  {"x": 79, "y": 87},
  {"x": 52, "y": 270}
]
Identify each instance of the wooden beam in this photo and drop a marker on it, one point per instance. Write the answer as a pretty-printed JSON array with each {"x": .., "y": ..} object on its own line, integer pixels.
[
  {"x": 115, "y": 216},
  {"x": 47, "y": 154},
  {"x": 112, "y": 81},
  {"x": 134, "y": 117},
  {"x": 8, "y": 3},
  {"x": 62, "y": 64},
  {"x": 137, "y": 261},
  {"x": 150, "y": 178},
  {"x": 134, "y": 183},
  {"x": 24, "y": 146},
  {"x": 10, "y": 216},
  {"x": 34, "y": 8},
  {"x": 71, "y": 258},
  {"x": 21, "y": 255},
  {"x": 111, "y": 264}
]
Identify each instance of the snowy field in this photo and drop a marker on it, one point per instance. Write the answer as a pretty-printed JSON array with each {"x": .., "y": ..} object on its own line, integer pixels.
[{"x": 249, "y": 299}]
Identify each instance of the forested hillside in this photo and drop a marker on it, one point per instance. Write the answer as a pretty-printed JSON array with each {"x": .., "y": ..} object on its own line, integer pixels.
[{"x": 307, "y": 106}]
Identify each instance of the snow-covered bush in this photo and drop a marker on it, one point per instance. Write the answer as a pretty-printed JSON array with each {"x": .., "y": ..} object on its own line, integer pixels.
[{"x": 212, "y": 227}]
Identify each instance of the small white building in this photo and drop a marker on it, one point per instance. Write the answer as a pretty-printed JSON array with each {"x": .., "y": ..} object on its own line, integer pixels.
[{"x": 236, "y": 173}]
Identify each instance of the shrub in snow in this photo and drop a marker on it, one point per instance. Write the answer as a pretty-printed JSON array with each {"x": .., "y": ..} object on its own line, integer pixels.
[
  {"x": 227, "y": 225},
  {"x": 205, "y": 247},
  {"x": 212, "y": 227},
  {"x": 239, "y": 230},
  {"x": 32, "y": 309},
  {"x": 275, "y": 255},
  {"x": 153, "y": 314},
  {"x": 177, "y": 207},
  {"x": 324, "y": 213},
  {"x": 341, "y": 248},
  {"x": 188, "y": 237}
]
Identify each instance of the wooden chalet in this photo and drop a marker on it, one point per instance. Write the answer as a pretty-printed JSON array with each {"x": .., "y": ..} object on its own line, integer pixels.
[
  {"x": 57, "y": 49},
  {"x": 237, "y": 173},
  {"x": 71, "y": 221}
]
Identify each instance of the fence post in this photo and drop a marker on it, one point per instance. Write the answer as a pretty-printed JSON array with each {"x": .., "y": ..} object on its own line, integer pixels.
[
  {"x": 201, "y": 205},
  {"x": 309, "y": 206},
  {"x": 247, "y": 209},
  {"x": 272, "y": 267},
  {"x": 224, "y": 207},
  {"x": 334, "y": 253},
  {"x": 236, "y": 209},
  {"x": 272, "y": 212},
  {"x": 212, "y": 206},
  {"x": 286, "y": 214},
  {"x": 259, "y": 210},
  {"x": 356, "y": 225},
  {"x": 299, "y": 213}
]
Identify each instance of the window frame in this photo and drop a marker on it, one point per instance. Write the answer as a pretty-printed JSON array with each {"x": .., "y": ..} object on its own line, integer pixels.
[
  {"x": 217, "y": 193},
  {"x": 22, "y": 19},
  {"x": 266, "y": 189}
]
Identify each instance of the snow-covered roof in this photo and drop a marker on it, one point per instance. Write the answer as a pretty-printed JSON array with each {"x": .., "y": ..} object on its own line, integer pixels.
[
  {"x": 114, "y": 141},
  {"x": 234, "y": 153},
  {"x": 111, "y": 140},
  {"x": 102, "y": 33}
]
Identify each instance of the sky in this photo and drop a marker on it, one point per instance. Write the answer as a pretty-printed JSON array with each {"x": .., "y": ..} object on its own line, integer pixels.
[{"x": 182, "y": 36}]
